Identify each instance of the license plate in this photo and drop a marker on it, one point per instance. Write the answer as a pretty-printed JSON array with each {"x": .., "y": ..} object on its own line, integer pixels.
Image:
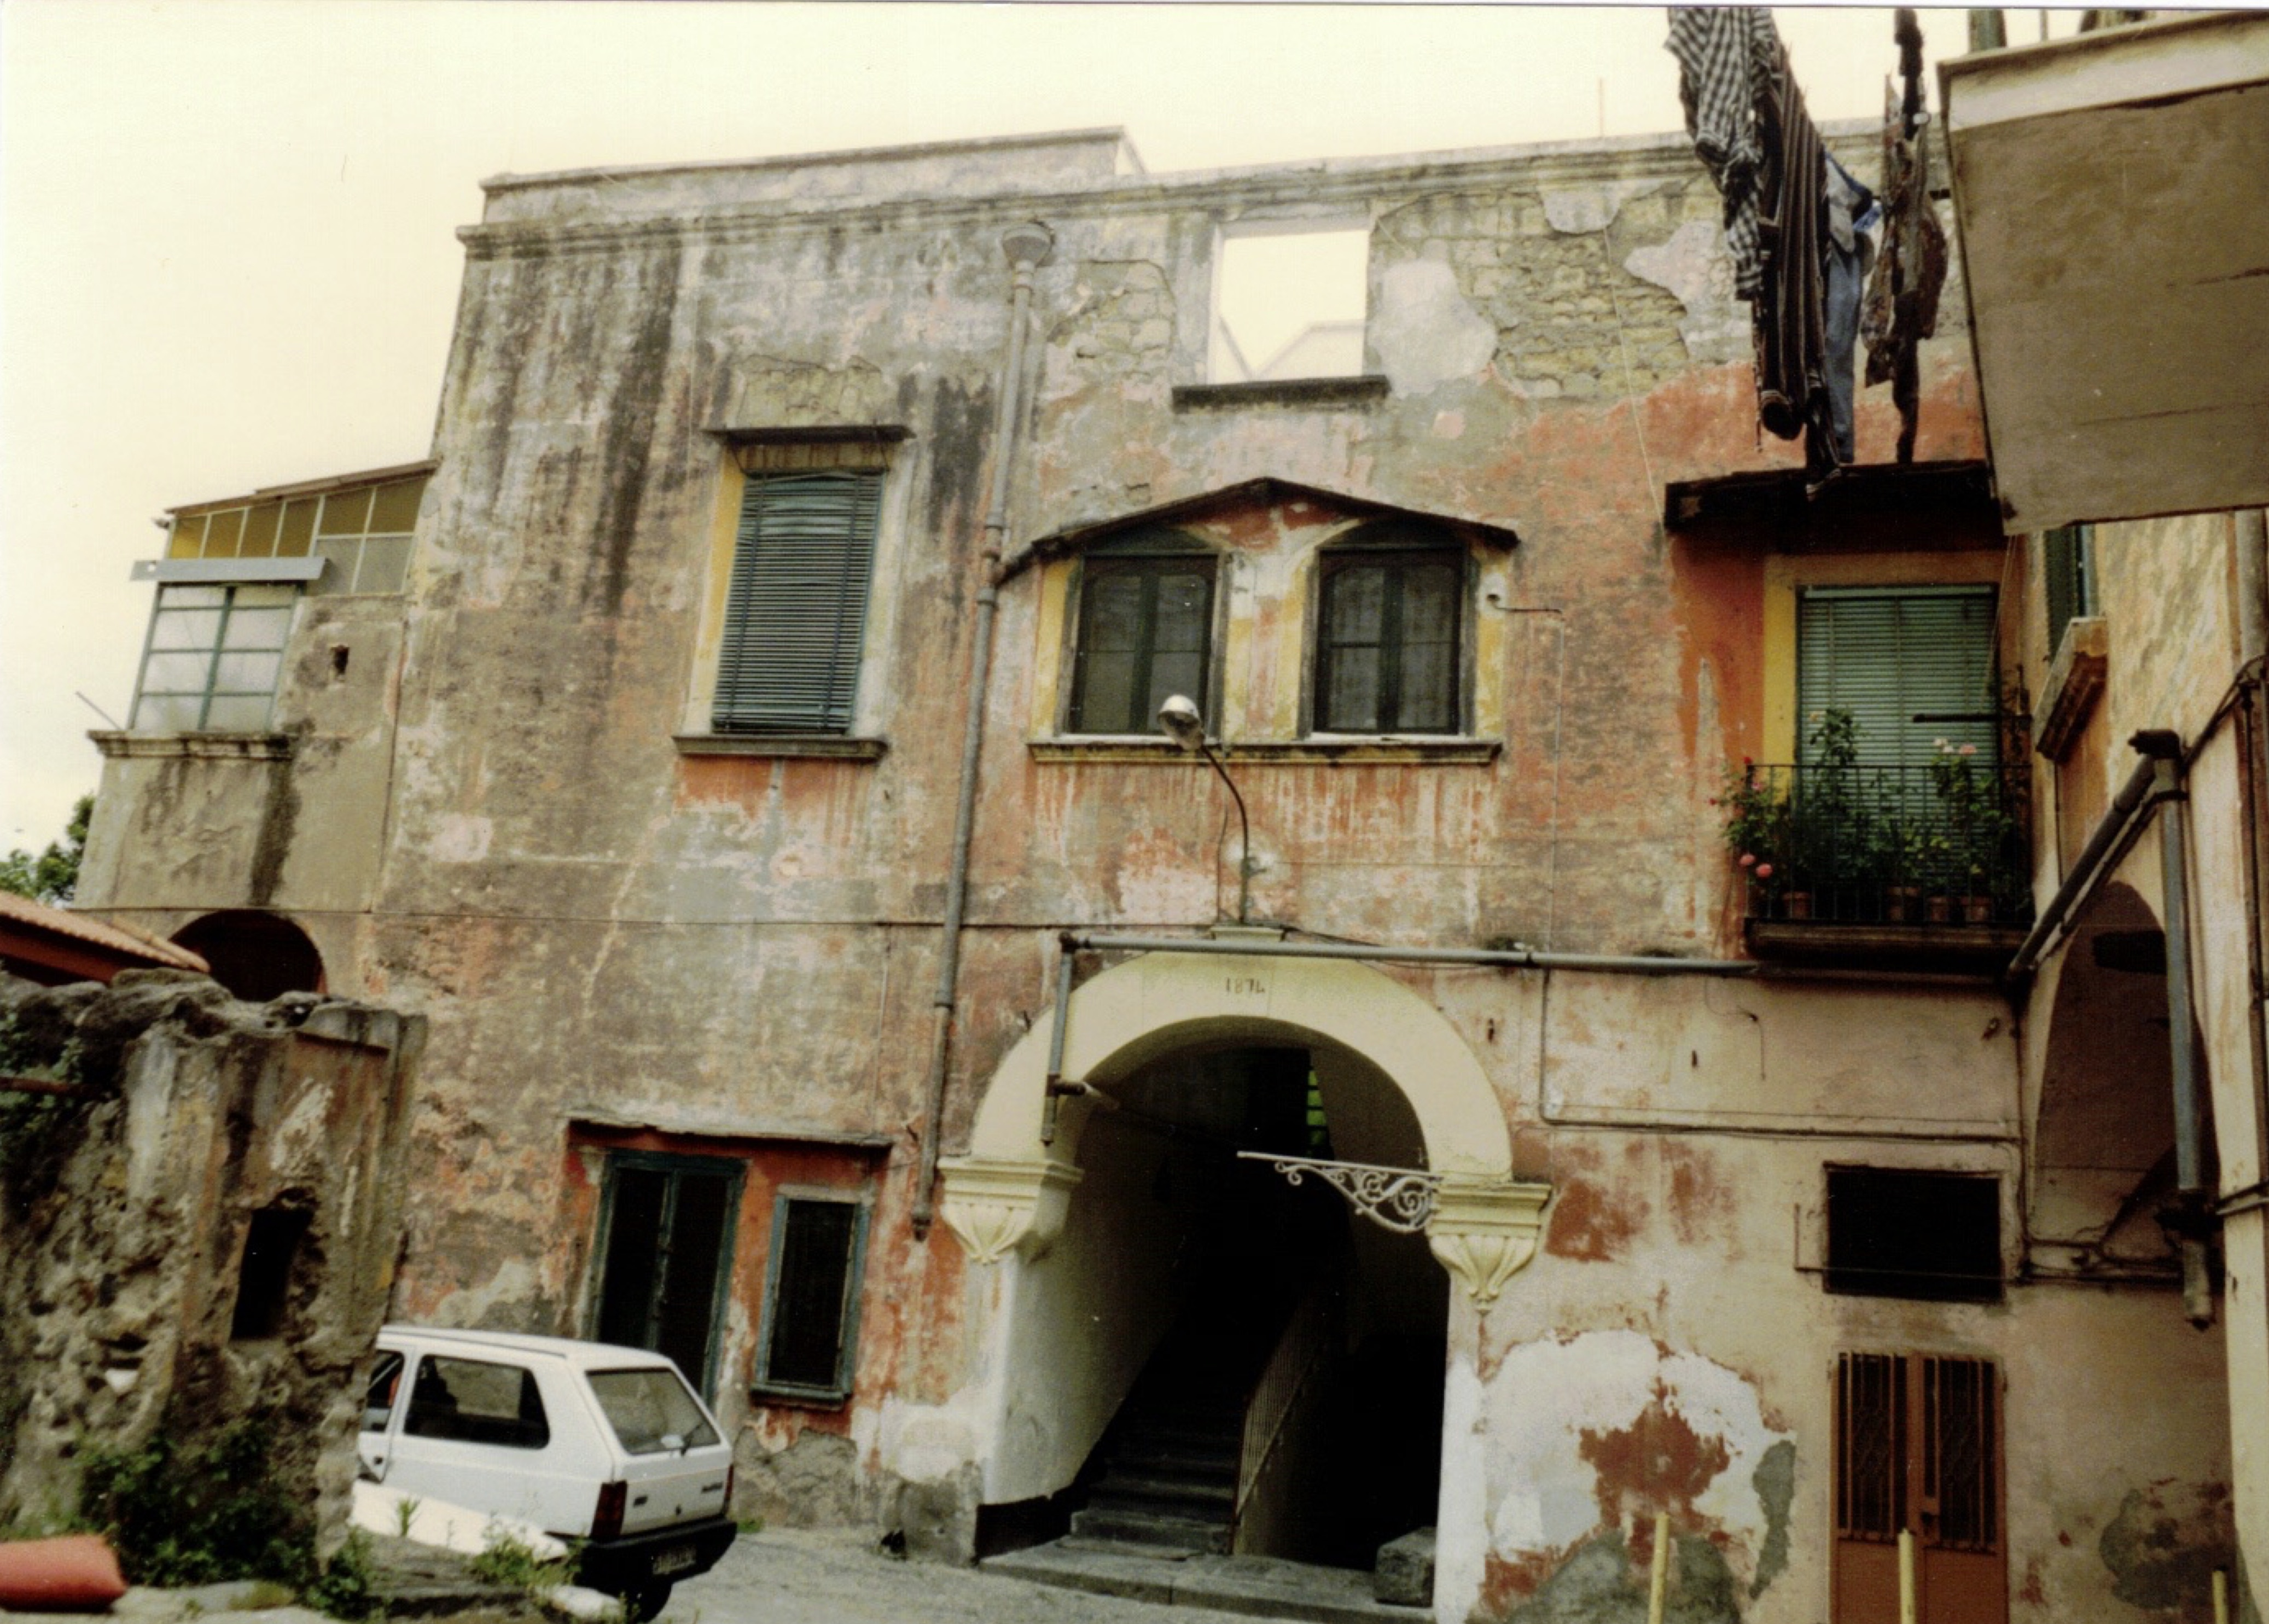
[{"x": 677, "y": 1559}]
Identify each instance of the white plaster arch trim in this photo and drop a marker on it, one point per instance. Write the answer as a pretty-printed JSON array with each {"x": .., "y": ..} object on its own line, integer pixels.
[{"x": 1009, "y": 1194}]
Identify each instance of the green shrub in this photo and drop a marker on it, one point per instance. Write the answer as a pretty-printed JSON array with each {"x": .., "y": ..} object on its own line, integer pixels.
[{"x": 197, "y": 1515}]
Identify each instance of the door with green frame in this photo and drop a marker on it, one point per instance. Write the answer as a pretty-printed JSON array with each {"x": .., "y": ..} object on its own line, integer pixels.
[{"x": 666, "y": 1257}]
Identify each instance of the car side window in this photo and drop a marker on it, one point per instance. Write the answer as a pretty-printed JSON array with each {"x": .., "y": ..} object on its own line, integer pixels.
[
  {"x": 477, "y": 1401},
  {"x": 378, "y": 1403}
]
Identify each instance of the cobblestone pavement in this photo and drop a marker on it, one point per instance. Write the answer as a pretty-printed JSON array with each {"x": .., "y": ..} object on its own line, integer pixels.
[{"x": 783, "y": 1576}]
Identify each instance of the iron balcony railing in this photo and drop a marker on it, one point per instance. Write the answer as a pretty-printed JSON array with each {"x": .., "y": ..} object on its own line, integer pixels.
[{"x": 1944, "y": 843}]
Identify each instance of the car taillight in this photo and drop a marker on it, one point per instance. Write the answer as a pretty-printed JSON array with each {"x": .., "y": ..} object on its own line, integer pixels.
[{"x": 607, "y": 1519}]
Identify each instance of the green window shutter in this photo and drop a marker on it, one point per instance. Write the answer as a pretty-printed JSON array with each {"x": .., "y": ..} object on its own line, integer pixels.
[
  {"x": 1889, "y": 656},
  {"x": 2064, "y": 565},
  {"x": 796, "y": 614}
]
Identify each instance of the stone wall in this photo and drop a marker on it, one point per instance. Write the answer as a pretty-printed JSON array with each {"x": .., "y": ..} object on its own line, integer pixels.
[{"x": 125, "y": 1209}]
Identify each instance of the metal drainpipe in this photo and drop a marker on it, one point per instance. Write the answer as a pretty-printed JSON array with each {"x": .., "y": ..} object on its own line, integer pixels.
[
  {"x": 2128, "y": 805},
  {"x": 2252, "y": 537},
  {"x": 2191, "y": 1207},
  {"x": 1028, "y": 247}
]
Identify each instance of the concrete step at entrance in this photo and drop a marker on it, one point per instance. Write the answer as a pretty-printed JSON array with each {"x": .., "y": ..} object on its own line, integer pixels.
[
  {"x": 1259, "y": 1587},
  {"x": 1139, "y": 1526}
]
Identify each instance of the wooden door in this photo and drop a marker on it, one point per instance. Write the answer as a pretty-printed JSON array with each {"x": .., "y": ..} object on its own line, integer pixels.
[{"x": 1918, "y": 1448}]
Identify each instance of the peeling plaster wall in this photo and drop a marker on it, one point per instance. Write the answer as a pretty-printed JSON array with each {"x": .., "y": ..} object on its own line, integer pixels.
[
  {"x": 121, "y": 1248},
  {"x": 2167, "y": 592},
  {"x": 738, "y": 949}
]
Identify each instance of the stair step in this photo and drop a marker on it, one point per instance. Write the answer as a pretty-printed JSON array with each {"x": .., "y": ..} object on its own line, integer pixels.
[
  {"x": 1149, "y": 1528},
  {"x": 1176, "y": 1460},
  {"x": 1123, "y": 1483}
]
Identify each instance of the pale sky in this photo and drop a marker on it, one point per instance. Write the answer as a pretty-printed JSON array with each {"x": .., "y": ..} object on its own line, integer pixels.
[{"x": 227, "y": 256}]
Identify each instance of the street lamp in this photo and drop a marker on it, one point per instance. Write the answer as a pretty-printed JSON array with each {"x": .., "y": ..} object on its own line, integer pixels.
[{"x": 1180, "y": 720}]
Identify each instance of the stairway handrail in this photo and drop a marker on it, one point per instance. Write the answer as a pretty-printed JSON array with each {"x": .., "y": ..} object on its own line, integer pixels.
[{"x": 1301, "y": 1351}]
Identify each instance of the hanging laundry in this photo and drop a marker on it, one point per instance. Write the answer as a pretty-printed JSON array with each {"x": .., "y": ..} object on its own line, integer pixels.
[
  {"x": 1748, "y": 120},
  {"x": 1851, "y": 214},
  {"x": 1724, "y": 53},
  {"x": 1902, "y": 305}
]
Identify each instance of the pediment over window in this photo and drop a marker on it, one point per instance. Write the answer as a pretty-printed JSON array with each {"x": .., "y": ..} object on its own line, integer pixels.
[{"x": 1248, "y": 513}]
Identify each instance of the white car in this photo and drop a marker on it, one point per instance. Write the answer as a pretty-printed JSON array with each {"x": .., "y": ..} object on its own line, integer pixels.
[{"x": 606, "y": 1446}]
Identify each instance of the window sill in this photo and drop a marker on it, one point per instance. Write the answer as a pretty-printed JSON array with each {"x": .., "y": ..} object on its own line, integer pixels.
[
  {"x": 822, "y": 747},
  {"x": 797, "y": 1398},
  {"x": 2069, "y": 692},
  {"x": 194, "y": 746},
  {"x": 1360, "y": 390},
  {"x": 1411, "y": 751}
]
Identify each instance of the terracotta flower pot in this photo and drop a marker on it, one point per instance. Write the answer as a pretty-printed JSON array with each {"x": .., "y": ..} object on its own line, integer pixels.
[
  {"x": 1938, "y": 910},
  {"x": 1977, "y": 911},
  {"x": 1796, "y": 906}
]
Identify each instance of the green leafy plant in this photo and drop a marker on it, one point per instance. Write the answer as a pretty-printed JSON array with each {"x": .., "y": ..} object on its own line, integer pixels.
[
  {"x": 510, "y": 1562},
  {"x": 348, "y": 1587},
  {"x": 52, "y": 876},
  {"x": 405, "y": 1512}
]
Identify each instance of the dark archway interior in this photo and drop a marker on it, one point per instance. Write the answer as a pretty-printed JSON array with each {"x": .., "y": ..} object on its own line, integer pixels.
[
  {"x": 2104, "y": 1129},
  {"x": 256, "y": 956},
  {"x": 1293, "y": 1405}
]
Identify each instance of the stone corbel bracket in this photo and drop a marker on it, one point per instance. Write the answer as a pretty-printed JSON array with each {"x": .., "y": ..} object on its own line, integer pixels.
[
  {"x": 1485, "y": 1233},
  {"x": 994, "y": 1207}
]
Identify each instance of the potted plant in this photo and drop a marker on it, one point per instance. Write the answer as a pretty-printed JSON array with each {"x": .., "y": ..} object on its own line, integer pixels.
[{"x": 1756, "y": 831}]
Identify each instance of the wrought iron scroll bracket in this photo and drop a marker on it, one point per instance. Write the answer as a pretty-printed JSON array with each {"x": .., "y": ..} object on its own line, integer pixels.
[{"x": 1400, "y": 1199}]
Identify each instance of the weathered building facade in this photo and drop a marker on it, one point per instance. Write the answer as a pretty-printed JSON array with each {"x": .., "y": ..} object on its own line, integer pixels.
[{"x": 754, "y": 485}]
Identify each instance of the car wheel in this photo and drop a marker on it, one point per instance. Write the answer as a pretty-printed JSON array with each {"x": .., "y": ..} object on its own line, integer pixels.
[{"x": 645, "y": 1602}]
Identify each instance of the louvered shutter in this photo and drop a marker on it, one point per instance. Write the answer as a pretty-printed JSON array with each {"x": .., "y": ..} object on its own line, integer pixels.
[
  {"x": 1889, "y": 657},
  {"x": 2064, "y": 559},
  {"x": 796, "y": 614}
]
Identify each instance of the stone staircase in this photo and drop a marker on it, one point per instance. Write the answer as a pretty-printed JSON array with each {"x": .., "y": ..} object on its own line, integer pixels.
[{"x": 1168, "y": 1483}]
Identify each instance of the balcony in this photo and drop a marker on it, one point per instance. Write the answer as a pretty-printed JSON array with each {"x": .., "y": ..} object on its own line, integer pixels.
[{"x": 1917, "y": 866}]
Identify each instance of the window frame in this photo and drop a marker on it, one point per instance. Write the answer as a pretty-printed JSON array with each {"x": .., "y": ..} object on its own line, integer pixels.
[
  {"x": 730, "y": 1169},
  {"x": 837, "y": 714},
  {"x": 1907, "y": 751},
  {"x": 2068, "y": 578},
  {"x": 1911, "y": 1282},
  {"x": 1160, "y": 546},
  {"x": 206, "y": 693},
  {"x": 1384, "y": 539},
  {"x": 763, "y": 1387}
]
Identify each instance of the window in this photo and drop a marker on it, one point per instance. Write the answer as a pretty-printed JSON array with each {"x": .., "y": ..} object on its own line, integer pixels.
[
  {"x": 213, "y": 658},
  {"x": 264, "y": 1275},
  {"x": 1145, "y": 633},
  {"x": 362, "y": 532},
  {"x": 808, "y": 1346},
  {"x": 796, "y": 614},
  {"x": 666, "y": 1243},
  {"x": 477, "y": 1401},
  {"x": 1917, "y": 1450},
  {"x": 1390, "y": 611},
  {"x": 651, "y": 1411},
  {"x": 2068, "y": 568},
  {"x": 1290, "y": 300},
  {"x": 378, "y": 1399},
  {"x": 1930, "y": 1235},
  {"x": 1913, "y": 665}
]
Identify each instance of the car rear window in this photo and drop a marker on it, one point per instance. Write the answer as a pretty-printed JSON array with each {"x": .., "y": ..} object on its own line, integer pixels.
[{"x": 650, "y": 1410}]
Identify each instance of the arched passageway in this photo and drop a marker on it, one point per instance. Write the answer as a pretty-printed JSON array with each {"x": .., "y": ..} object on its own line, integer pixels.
[{"x": 1139, "y": 1251}]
